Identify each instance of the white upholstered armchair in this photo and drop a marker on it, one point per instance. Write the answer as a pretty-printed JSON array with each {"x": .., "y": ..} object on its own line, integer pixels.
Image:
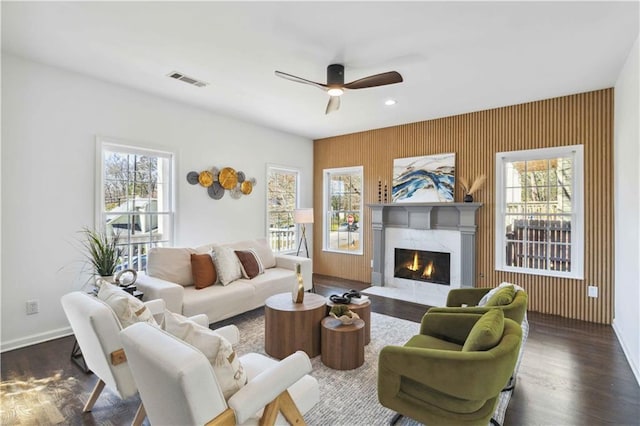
[
  {"x": 97, "y": 329},
  {"x": 178, "y": 386}
]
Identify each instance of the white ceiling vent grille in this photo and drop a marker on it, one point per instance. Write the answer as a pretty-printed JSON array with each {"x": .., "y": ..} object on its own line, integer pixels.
[{"x": 189, "y": 80}]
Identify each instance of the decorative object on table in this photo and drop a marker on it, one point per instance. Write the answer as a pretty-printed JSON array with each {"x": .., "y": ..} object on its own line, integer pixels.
[
  {"x": 359, "y": 300},
  {"x": 122, "y": 281},
  {"x": 342, "y": 313},
  {"x": 429, "y": 178},
  {"x": 477, "y": 184},
  {"x": 298, "y": 290},
  {"x": 217, "y": 181},
  {"x": 346, "y": 298},
  {"x": 379, "y": 190},
  {"x": 302, "y": 217},
  {"x": 101, "y": 252}
]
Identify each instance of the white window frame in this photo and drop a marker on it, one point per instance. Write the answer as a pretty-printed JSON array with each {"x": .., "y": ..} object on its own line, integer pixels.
[
  {"x": 286, "y": 169},
  {"x": 577, "y": 209},
  {"x": 326, "y": 208},
  {"x": 111, "y": 144}
]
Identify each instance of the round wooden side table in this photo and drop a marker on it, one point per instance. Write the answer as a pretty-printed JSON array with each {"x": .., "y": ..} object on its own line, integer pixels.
[
  {"x": 342, "y": 345},
  {"x": 364, "y": 312},
  {"x": 290, "y": 326}
]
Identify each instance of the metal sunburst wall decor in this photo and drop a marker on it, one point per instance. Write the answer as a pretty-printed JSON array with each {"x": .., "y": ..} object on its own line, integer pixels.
[{"x": 218, "y": 181}]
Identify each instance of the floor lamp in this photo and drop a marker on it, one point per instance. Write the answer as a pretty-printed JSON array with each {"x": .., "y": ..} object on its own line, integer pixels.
[{"x": 302, "y": 217}]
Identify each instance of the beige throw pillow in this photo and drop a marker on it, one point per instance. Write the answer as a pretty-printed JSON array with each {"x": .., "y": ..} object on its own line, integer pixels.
[
  {"x": 171, "y": 264},
  {"x": 226, "y": 263},
  {"x": 263, "y": 249},
  {"x": 226, "y": 365},
  {"x": 127, "y": 308}
]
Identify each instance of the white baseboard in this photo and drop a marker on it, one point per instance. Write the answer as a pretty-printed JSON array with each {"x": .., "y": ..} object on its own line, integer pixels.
[
  {"x": 35, "y": 338},
  {"x": 627, "y": 353}
]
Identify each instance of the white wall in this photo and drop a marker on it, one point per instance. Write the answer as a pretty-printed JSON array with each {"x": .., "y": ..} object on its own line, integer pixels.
[
  {"x": 50, "y": 118},
  {"x": 627, "y": 209}
]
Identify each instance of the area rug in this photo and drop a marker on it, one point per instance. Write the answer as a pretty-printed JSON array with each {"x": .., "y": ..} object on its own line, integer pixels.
[{"x": 348, "y": 398}]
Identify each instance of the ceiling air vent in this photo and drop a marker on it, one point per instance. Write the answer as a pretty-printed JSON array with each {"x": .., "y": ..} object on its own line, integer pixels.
[{"x": 190, "y": 80}]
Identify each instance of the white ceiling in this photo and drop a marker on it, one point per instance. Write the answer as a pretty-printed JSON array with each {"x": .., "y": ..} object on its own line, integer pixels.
[{"x": 455, "y": 57}]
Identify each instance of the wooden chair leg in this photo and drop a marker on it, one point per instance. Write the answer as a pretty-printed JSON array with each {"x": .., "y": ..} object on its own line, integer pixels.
[
  {"x": 289, "y": 409},
  {"x": 94, "y": 396},
  {"x": 269, "y": 414},
  {"x": 282, "y": 404},
  {"x": 139, "y": 417}
]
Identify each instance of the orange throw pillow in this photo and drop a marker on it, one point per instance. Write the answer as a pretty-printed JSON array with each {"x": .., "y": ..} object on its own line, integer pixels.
[{"x": 203, "y": 270}]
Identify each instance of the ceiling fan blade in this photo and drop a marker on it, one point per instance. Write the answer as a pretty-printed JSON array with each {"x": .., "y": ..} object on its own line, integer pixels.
[
  {"x": 333, "y": 105},
  {"x": 383, "y": 79},
  {"x": 300, "y": 79}
]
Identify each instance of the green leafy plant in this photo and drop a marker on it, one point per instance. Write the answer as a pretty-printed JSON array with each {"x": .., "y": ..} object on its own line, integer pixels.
[
  {"x": 340, "y": 310},
  {"x": 101, "y": 251}
]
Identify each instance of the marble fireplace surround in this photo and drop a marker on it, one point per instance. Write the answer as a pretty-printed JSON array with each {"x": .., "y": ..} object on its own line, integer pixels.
[{"x": 449, "y": 227}]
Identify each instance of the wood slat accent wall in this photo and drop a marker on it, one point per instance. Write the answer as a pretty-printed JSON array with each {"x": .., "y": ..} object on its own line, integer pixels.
[{"x": 585, "y": 118}]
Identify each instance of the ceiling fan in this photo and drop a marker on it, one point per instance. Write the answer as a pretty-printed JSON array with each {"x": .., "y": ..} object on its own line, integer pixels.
[{"x": 336, "y": 86}]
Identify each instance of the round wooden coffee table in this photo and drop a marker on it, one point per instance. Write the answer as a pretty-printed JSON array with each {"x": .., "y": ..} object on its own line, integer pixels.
[
  {"x": 364, "y": 312},
  {"x": 289, "y": 326},
  {"x": 342, "y": 345}
]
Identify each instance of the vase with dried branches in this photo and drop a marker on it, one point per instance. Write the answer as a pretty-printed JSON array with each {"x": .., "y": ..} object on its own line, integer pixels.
[{"x": 478, "y": 182}]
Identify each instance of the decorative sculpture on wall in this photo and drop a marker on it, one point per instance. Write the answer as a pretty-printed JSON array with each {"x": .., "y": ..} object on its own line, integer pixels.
[{"x": 217, "y": 181}]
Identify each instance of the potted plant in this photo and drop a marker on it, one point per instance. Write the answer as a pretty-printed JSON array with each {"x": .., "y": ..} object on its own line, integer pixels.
[{"x": 101, "y": 252}]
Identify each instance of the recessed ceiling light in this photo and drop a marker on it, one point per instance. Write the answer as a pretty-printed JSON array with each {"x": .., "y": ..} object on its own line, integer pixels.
[{"x": 390, "y": 102}]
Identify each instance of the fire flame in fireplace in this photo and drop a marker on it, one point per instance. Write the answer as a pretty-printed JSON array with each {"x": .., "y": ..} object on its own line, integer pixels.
[
  {"x": 414, "y": 267},
  {"x": 428, "y": 270}
]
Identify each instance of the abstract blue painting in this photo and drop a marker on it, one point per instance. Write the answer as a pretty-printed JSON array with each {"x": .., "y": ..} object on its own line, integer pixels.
[{"x": 429, "y": 178}]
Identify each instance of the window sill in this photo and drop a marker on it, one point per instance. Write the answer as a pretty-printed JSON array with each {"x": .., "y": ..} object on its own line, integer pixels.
[
  {"x": 540, "y": 272},
  {"x": 355, "y": 253}
]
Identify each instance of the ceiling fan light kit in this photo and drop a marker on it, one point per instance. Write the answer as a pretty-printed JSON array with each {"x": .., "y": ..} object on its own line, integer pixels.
[{"x": 336, "y": 86}]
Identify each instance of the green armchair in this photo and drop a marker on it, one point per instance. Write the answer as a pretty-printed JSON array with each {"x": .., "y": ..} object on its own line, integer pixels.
[
  {"x": 433, "y": 380},
  {"x": 470, "y": 297}
]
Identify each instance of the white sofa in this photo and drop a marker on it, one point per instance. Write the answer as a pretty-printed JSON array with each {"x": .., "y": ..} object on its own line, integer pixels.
[{"x": 169, "y": 277}]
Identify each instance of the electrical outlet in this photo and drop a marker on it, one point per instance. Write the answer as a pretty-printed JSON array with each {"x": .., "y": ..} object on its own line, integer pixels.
[
  {"x": 372, "y": 263},
  {"x": 593, "y": 291},
  {"x": 32, "y": 307}
]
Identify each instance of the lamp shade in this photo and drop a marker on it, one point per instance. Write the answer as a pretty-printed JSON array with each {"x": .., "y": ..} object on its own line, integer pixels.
[{"x": 303, "y": 215}]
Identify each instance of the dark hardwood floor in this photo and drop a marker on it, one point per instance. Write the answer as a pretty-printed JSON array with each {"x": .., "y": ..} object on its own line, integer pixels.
[{"x": 573, "y": 373}]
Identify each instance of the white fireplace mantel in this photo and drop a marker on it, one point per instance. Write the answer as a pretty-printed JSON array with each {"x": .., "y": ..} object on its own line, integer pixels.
[{"x": 426, "y": 216}]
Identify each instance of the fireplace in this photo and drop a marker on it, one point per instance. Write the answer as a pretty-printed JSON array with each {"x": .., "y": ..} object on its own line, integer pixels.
[{"x": 422, "y": 265}]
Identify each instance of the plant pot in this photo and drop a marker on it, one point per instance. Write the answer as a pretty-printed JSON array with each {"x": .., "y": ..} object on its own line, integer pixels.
[{"x": 468, "y": 198}]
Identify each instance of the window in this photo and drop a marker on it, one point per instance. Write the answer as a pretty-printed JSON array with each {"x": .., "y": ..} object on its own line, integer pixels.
[
  {"x": 539, "y": 211},
  {"x": 282, "y": 200},
  {"x": 135, "y": 200},
  {"x": 343, "y": 210}
]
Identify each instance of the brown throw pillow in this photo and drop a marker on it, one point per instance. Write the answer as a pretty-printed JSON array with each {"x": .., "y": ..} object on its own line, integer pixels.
[
  {"x": 250, "y": 263},
  {"x": 203, "y": 270}
]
